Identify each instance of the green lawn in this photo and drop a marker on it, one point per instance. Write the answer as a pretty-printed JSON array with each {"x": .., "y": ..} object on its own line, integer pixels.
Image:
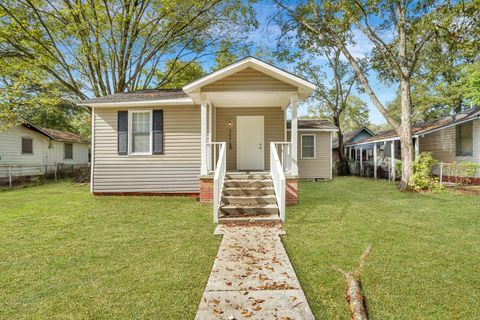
[
  {"x": 67, "y": 254},
  {"x": 425, "y": 263}
]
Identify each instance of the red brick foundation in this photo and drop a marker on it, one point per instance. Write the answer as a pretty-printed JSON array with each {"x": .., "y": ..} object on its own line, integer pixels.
[
  {"x": 292, "y": 192},
  {"x": 206, "y": 190}
]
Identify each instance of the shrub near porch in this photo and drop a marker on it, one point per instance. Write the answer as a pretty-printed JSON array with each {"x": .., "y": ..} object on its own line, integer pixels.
[
  {"x": 425, "y": 259},
  {"x": 67, "y": 254}
]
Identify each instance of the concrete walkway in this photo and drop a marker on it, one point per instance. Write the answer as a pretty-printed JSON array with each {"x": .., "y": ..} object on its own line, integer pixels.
[{"x": 252, "y": 278}]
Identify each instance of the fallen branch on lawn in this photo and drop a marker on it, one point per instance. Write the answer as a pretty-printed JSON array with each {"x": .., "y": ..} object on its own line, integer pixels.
[{"x": 355, "y": 299}]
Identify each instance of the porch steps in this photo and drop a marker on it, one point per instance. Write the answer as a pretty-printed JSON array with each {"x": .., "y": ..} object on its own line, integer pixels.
[{"x": 248, "y": 197}]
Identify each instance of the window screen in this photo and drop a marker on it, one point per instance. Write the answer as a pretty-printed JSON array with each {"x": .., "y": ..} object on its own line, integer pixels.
[
  {"x": 68, "y": 151},
  {"x": 27, "y": 146},
  {"x": 465, "y": 139}
]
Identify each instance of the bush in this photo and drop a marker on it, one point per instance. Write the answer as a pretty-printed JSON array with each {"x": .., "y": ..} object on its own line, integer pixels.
[{"x": 423, "y": 178}]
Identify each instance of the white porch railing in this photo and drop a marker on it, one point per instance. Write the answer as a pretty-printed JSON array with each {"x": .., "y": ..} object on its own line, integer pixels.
[
  {"x": 278, "y": 177},
  {"x": 219, "y": 177},
  {"x": 213, "y": 152},
  {"x": 284, "y": 151}
]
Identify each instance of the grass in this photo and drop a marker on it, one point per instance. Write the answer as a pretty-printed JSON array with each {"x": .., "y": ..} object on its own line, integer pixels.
[
  {"x": 67, "y": 254},
  {"x": 425, "y": 261}
]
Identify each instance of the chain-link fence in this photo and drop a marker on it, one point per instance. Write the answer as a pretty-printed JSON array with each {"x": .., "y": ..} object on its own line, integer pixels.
[
  {"x": 13, "y": 176},
  {"x": 457, "y": 173}
]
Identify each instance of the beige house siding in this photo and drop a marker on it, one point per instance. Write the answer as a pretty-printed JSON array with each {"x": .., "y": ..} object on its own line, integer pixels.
[
  {"x": 321, "y": 166},
  {"x": 442, "y": 144},
  {"x": 248, "y": 80},
  {"x": 274, "y": 129},
  {"x": 176, "y": 171}
]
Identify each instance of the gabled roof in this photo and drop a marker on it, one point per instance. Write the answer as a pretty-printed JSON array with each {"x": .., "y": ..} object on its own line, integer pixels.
[
  {"x": 347, "y": 137},
  {"x": 305, "y": 88},
  {"x": 313, "y": 125},
  {"x": 426, "y": 127},
  {"x": 57, "y": 135}
]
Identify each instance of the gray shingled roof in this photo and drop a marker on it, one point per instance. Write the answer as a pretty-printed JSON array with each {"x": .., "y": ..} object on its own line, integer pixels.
[
  {"x": 139, "y": 95},
  {"x": 427, "y": 126},
  {"x": 313, "y": 124}
]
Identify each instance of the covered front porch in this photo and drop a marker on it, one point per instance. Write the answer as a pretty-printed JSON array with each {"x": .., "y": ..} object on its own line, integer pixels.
[{"x": 244, "y": 109}]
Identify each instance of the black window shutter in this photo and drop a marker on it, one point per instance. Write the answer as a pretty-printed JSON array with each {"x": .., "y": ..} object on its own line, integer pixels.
[
  {"x": 157, "y": 131},
  {"x": 122, "y": 132}
]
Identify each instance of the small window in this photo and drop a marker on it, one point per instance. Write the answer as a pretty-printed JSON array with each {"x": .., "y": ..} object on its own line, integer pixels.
[
  {"x": 308, "y": 146},
  {"x": 465, "y": 139},
  {"x": 68, "y": 151},
  {"x": 27, "y": 146},
  {"x": 141, "y": 130}
]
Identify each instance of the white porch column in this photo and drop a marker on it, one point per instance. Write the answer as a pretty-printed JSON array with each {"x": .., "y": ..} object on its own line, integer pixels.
[
  {"x": 203, "y": 137},
  {"x": 294, "y": 134},
  {"x": 361, "y": 160},
  {"x": 392, "y": 154},
  {"x": 375, "y": 160},
  {"x": 350, "y": 153},
  {"x": 417, "y": 147}
]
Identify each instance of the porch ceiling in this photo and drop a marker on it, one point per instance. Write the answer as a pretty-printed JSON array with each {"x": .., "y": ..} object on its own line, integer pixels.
[{"x": 249, "y": 99}]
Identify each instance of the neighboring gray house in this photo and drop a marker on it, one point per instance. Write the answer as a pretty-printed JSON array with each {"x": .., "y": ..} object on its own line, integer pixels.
[
  {"x": 221, "y": 137},
  {"x": 350, "y": 137},
  {"x": 451, "y": 138}
]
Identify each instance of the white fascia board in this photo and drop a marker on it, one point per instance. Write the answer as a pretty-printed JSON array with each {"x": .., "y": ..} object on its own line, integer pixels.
[
  {"x": 374, "y": 141},
  {"x": 315, "y": 130},
  {"x": 255, "y": 64},
  {"x": 144, "y": 103}
]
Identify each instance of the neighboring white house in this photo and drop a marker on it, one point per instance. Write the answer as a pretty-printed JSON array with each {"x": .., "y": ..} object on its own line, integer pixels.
[{"x": 32, "y": 150}]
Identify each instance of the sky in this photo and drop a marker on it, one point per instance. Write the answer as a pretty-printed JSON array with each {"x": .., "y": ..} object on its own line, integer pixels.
[{"x": 265, "y": 37}]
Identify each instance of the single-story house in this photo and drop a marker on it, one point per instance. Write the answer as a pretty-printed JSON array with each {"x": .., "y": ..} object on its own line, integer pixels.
[
  {"x": 451, "y": 138},
  {"x": 351, "y": 137},
  {"x": 222, "y": 137},
  {"x": 32, "y": 150}
]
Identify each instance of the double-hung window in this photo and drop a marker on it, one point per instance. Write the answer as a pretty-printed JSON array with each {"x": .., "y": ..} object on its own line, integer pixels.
[
  {"x": 68, "y": 151},
  {"x": 141, "y": 132},
  {"x": 465, "y": 139},
  {"x": 308, "y": 146}
]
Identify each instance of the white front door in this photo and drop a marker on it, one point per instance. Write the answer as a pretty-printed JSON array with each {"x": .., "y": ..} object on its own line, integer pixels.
[{"x": 250, "y": 142}]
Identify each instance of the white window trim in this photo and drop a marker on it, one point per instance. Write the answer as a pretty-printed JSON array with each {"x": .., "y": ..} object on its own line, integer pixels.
[
  {"x": 130, "y": 129},
  {"x": 21, "y": 148},
  {"x": 314, "y": 145}
]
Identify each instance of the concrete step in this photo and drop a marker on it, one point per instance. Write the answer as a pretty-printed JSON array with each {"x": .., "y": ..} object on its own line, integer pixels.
[
  {"x": 257, "y": 218},
  {"x": 248, "y": 176},
  {"x": 248, "y": 183},
  {"x": 248, "y": 191},
  {"x": 248, "y": 210},
  {"x": 249, "y": 200}
]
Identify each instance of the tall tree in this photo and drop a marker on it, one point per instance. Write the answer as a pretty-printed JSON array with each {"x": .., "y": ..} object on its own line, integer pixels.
[
  {"x": 392, "y": 27},
  {"x": 333, "y": 101},
  {"x": 100, "y": 47}
]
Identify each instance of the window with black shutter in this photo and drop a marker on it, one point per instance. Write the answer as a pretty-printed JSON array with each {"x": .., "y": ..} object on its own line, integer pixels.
[
  {"x": 157, "y": 131},
  {"x": 122, "y": 139},
  {"x": 27, "y": 146}
]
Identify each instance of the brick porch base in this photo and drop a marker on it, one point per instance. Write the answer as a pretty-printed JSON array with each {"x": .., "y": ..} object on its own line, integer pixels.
[
  {"x": 206, "y": 189},
  {"x": 291, "y": 192}
]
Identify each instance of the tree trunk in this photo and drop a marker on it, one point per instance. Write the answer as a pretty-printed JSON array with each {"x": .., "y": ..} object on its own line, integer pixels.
[
  {"x": 405, "y": 135},
  {"x": 342, "y": 165}
]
